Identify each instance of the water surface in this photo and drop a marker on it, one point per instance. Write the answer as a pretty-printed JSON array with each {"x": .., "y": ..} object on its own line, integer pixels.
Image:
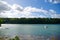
[{"x": 29, "y": 29}]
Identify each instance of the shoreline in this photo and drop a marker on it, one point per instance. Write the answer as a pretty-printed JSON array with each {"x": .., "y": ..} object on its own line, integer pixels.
[{"x": 32, "y": 37}]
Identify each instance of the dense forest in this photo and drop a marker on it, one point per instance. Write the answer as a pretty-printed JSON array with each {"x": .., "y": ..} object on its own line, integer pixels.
[{"x": 29, "y": 20}]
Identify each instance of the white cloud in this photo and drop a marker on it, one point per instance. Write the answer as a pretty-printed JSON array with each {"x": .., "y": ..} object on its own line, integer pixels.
[
  {"x": 53, "y": 1},
  {"x": 52, "y": 13},
  {"x": 17, "y": 11},
  {"x": 17, "y": 7},
  {"x": 32, "y": 9},
  {"x": 4, "y": 6}
]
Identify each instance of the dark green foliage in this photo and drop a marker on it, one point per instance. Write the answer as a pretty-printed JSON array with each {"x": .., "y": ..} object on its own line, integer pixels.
[
  {"x": 16, "y": 38},
  {"x": 11, "y": 39},
  {"x": 30, "y": 20}
]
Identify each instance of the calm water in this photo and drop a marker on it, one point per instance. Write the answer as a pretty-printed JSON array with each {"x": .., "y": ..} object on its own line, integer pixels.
[{"x": 29, "y": 29}]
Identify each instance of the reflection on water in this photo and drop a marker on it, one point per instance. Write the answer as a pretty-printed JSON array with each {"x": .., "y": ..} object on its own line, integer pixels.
[{"x": 34, "y": 31}]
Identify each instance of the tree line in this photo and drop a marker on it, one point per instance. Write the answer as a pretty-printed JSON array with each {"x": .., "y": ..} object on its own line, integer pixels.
[{"x": 29, "y": 20}]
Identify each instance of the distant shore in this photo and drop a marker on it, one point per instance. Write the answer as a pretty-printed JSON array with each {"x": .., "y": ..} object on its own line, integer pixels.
[{"x": 29, "y": 20}]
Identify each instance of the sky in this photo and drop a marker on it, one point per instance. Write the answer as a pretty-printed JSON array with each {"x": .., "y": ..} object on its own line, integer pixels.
[{"x": 29, "y": 8}]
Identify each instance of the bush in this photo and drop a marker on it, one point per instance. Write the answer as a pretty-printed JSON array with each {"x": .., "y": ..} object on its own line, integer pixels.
[{"x": 16, "y": 38}]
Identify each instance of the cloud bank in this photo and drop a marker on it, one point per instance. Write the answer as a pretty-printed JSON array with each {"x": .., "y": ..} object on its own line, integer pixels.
[{"x": 17, "y": 11}]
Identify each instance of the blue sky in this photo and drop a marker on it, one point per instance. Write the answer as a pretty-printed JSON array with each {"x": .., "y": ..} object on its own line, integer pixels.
[
  {"x": 37, "y": 4},
  {"x": 33, "y": 8}
]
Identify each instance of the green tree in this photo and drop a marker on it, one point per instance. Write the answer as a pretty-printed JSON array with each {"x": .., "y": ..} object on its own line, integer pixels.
[{"x": 17, "y": 38}]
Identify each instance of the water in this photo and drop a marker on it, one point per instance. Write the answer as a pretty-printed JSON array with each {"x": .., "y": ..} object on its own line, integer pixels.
[{"x": 29, "y": 29}]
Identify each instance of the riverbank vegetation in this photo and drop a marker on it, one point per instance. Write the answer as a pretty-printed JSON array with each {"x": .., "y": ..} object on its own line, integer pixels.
[
  {"x": 7, "y": 38},
  {"x": 16, "y": 38},
  {"x": 29, "y": 20}
]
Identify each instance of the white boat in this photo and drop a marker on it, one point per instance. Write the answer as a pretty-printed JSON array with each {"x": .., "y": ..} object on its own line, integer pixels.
[{"x": 45, "y": 27}]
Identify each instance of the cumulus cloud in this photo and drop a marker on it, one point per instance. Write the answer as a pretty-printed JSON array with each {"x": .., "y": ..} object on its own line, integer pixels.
[
  {"x": 53, "y": 1},
  {"x": 4, "y": 6},
  {"x": 17, "y": 7},
  {"x": 53, "y": 14},
  {"x": 17, "y": 11}
]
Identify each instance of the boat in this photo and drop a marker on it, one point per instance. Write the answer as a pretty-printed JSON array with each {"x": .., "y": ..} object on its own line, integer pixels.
[{"x": 45, "y": 27}]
